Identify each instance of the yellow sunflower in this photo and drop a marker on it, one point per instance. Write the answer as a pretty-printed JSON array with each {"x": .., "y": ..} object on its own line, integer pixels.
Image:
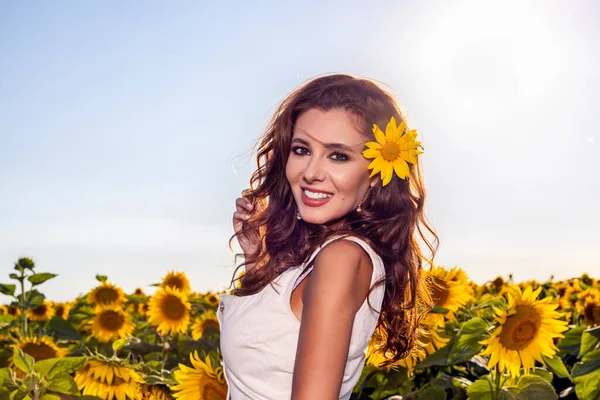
[
  {"x": 450, "y": 289},
  {"x": 40, "y": 347},
  {"x": 9, "y": 310},
  {"x": 42, "y": 313},
  {"x": 429, "y": 340},
  {"x": 176, "y": 280},
  {"x": 525, "y": 332},
  {"x": 62, "y": 310},
  {"x": 139, "y": 292},
  {"x": 111, "y": 323},
  {"x": 106, "y": 294},
  {"x": 206, "y": 320},
  {"x": 201, "y": 381},
  {"x": 212, "y": 299},
  {"x": 590, "y": 307},
  {"x": 392, "y": 151},
  {"x": 109, "y": 379},
  {"x": 155, "y": 392},
  {"x": 169, "y": 311}
]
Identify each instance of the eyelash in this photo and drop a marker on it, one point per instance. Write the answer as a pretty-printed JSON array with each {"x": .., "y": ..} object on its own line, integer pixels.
[{"x": 336, "y": 153}]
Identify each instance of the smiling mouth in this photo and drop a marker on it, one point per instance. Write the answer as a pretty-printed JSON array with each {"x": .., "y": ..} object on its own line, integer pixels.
[{"x": 315, "y": 199}]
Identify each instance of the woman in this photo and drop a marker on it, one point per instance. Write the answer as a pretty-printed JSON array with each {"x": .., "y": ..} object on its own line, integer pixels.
[{"x": 329, "y": 237}]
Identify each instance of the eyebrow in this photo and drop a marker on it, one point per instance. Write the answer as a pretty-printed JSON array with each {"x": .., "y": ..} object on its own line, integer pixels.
[{"x": 326, "y": 145}]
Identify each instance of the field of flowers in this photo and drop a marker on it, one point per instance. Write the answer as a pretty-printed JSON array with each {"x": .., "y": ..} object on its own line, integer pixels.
[{"x": 499, "y": 340}]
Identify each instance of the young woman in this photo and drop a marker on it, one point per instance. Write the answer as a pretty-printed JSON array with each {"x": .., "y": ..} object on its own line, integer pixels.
[{"x": 329, "y": 233}]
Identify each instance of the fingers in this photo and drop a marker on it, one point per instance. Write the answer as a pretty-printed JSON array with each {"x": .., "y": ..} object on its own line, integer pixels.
[{"x": 243, "y": 204}]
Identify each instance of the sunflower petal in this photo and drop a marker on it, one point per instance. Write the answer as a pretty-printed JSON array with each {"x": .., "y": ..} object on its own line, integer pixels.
[
  {"x": 401, "y": 168},
  {"x": 371, "y": 153},
  {"x": 379, "y": 135}
]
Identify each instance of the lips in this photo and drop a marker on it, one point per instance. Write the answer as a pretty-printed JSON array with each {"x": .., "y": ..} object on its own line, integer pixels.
[{"x": 314, "y": 202}]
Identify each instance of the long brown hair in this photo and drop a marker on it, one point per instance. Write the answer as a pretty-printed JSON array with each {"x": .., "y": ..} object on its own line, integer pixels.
[{"x": 392, "y": 217}]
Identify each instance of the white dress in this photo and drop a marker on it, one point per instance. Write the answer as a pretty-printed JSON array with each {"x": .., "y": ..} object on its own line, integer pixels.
[{"x": 259, "y": 335}]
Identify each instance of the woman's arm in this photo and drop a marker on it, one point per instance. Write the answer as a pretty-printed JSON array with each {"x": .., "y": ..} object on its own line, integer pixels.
[{"x": 336, "y": 289}]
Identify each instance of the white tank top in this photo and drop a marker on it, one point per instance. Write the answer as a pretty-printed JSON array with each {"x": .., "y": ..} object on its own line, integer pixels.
[{"x": 259, "y": 335}]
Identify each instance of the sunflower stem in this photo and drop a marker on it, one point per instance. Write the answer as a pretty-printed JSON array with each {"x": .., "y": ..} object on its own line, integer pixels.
[
  {"x": 498, "y": 376},
  {"x": 23, "y": 301}
]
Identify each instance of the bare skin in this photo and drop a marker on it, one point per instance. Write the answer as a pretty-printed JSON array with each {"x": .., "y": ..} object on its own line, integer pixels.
[{"x": 327, "y": 300}]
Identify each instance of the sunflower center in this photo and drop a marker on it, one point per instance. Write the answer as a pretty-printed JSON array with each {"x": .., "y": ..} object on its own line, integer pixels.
[
  {"x": 173, "y": 308},
  {"x": 440, "y": 291},
  {"x": 111, "y": 320},
  {"x": 174, "y": 281},
  {"x": 39, "y": 351},
  {"x": 591, "y": 313},
  {"x": 520, "y": 328},
  {"x": 13, "y": 310},
  {"x": 107, "y": 295},
  {"x": 390, "y": 151},
  {"x": 40, "y": 310},
  {"x": 60, "y": 310}
]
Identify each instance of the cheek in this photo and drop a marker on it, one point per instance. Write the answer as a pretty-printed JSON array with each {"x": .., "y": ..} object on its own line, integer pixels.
[
  {"x": 349, "y": 180},
  {"x": 291, "y": 170}
]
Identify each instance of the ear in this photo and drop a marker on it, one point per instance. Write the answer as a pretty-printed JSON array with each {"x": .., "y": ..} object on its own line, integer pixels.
[{"x": 373, "y": 181}]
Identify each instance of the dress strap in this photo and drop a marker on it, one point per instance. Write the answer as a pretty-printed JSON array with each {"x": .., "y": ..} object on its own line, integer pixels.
[{"x": 378, "y": 267}]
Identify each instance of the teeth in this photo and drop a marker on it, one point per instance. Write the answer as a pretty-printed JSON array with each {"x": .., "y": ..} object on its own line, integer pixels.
[{"x": 313, "y": 195}]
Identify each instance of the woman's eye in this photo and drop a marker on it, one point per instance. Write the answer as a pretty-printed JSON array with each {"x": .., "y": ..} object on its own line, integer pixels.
[
  {"x": 299, "y": 150},
  {"x": 339, "y": 156}
]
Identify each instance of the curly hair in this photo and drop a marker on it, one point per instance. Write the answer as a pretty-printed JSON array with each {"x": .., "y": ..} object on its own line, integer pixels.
[{"x": 392, "y": 218}]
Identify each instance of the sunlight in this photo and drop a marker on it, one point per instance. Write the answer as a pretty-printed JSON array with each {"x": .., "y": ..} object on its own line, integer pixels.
[{"x": 483, "y": 58}]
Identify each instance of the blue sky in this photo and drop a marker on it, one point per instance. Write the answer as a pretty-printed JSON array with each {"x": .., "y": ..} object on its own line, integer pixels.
[{"x": 126, "y": 129}]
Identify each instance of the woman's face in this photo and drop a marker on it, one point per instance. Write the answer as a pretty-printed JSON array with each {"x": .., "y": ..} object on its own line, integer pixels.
[{"x": 326, "y": 171}]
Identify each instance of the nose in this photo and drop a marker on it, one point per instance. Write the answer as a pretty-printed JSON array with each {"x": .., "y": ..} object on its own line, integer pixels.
[{"x": 314, "y": 170}]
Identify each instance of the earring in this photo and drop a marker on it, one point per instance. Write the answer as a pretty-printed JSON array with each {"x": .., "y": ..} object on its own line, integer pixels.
[
  {"x": 298, "y": 214},
  {"x": 359, "y": 208}
]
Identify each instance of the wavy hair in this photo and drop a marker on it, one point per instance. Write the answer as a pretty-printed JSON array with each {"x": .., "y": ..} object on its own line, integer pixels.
[{"x": 392, "y": 218}]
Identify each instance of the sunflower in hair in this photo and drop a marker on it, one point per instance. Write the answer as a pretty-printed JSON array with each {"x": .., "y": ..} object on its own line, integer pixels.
[{"x": 392, "y": 151}]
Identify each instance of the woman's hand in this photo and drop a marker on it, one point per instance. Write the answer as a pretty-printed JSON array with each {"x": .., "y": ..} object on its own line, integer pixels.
[{"x": 249, "y": 242}]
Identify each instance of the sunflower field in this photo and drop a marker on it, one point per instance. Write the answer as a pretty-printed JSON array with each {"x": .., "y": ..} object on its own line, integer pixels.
[{"x": 499, "y": 340}]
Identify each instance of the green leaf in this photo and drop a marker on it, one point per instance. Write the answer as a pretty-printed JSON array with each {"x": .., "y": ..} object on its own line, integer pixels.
[
  {"x": 56, "y": 366},
  {"x": 440, "y": 357},
  {"x": 19, "y": 394},
  {"x": 531, "y": 387},
  {"x": 22, "y": 360},
  {"x": 571, "y": 343},
  {"x": 433, "y": 393},
  {"x": 38, "y": 279},
  {"x": 50, "y": 396},
  {"x": 118, "y": 344},
  {"x": 588, "y": 343},
  {"x": 557, "y": 366},
  {"x": 594, "y": 331},
  {"x": 466, "y": 344},
  {"x": 36, "y": 298},
  {"x": 439, "y": 310},
  {"x": 12, "y": 275},
  {"x": 4, "y": 393},
  {"x": 544, "y": 374},
  {"x": 481, "y": 389},
  {"x": 63, "y": 330},
  {"x": 4, "y": 375},
  {"x": 63, "y": 383},
  {"x": 588, "y": 364},
  {"x": 7, "y": 289},
  {"x": 586, "y": 384},
  {"x": 101, "y": 278}
]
